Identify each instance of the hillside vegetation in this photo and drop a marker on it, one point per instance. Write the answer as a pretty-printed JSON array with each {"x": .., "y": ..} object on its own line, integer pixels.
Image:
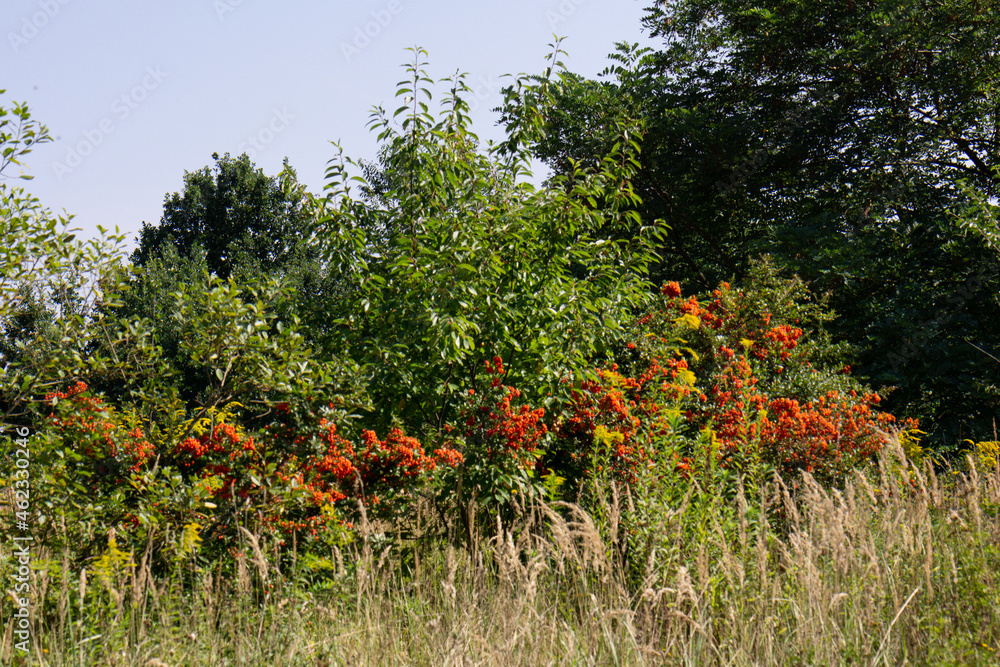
[{"x": 718, "y": 392}]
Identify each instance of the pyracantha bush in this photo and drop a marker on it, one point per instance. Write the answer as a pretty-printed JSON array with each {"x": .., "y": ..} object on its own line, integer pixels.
[
  {"x": 735, "y": 379},
  {"x": 215, "y": 474},
  {"x": 502, "y": 439},
  {"x": 762, "y": 388},
  {"x": 97, "y": 432}
]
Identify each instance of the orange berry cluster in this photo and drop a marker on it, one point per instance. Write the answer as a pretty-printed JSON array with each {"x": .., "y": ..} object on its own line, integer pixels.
[
  {"x": 828, "y": 436},
  {"x": 376, "y": 467},
  {"x": 84, "y": 421},
  {"x": 507, "y": 431}
]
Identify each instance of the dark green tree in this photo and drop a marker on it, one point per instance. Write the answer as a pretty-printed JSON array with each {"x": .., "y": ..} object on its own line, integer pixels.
[
  {"x": 837, "y": 137},
  {"x": 243, "y": 220}
]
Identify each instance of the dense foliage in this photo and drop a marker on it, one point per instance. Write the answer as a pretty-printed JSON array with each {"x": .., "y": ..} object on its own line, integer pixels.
[
  {"x": 242, "y": 221},
  {"x": 846, "y": 140},
  {"x": 669, "y": 322},
  {"x": 493, "y": 342}
]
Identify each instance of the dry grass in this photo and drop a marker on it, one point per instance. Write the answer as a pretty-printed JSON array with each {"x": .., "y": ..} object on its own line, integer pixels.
[{"x": 898, "y": 567}]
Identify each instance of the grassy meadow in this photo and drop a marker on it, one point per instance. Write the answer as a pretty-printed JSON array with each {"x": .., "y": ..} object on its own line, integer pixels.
[{"x": 900, "y": 566}]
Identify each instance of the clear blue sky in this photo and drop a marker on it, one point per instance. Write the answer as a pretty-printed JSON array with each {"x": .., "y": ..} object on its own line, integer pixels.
[{"x": 137, "y": 93}]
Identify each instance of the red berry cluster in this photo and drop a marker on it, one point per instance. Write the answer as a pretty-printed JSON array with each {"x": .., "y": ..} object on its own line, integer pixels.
[
  {"x": 737, "y": 348},
  {"x": 86, "y": 423},
  {"x": 506, "y": 430},
  {"x": 223, "y": 452},
  {"x": 222, "y": 439},
  {"x": 829, "y": 436},
  {"x": 600, "y": 415},
  {"x": 374, "y": 470},
  {"x": 784, "y": 338}
]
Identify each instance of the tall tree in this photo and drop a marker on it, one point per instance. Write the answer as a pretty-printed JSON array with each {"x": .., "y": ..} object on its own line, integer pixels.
[
  {"x": 235, "y": 223},
  {"x": 836, "y": 136},
  {"x": 452, "y": 258},
  {"x": 242, "y": 219}
]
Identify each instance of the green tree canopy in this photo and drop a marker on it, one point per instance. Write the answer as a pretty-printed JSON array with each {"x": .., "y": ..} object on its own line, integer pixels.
[
  {"x": 838, "y": 137},
  {"x": 243, "y": 221},
  {"x": 453, "y": 257}
]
